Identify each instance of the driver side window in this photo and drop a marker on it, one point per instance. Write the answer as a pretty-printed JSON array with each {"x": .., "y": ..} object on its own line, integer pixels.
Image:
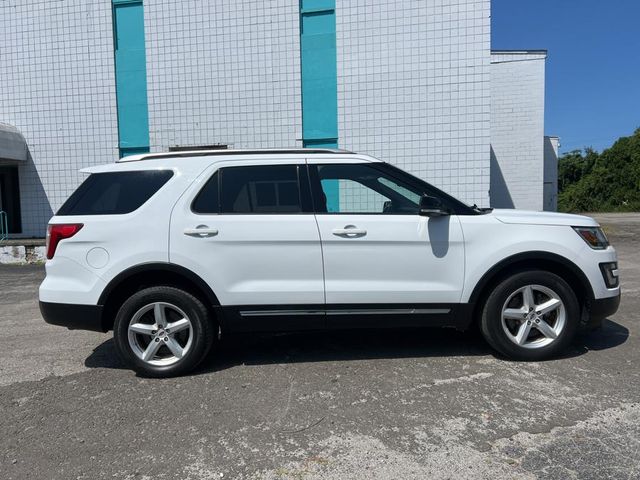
[{"x": 362, "y": 188}]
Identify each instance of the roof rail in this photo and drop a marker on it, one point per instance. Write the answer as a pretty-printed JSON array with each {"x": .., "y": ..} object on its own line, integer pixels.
[{"x": 208, "y": 153}]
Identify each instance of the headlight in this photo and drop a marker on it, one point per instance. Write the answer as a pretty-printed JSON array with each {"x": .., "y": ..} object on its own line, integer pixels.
[{"x": 594, "y": 236}]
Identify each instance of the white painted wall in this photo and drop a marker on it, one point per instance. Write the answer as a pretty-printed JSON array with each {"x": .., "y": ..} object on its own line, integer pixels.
[
  {"x": 517, "y": 129},
  {"x": 413, "y": 85},
  {"x": 413, "y": 82},
  {"x": 551, "y": 145},
  {"x": 413, "y": 88},
  {"x": 57, "y": 87},
  {"x": 223, "y": 72}
]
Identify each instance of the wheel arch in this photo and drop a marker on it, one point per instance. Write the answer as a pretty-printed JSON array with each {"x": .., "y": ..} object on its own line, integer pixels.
[
  {"x": 561, "y": 266},
  {"x": 146, "y": 275}
]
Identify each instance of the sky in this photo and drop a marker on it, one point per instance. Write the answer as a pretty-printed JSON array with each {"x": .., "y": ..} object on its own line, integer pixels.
[{"x": 593, "y": 64}]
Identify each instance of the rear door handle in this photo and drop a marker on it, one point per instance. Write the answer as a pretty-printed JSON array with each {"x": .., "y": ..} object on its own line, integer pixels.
[
  {"x": 350, "y": 231},
  {"x": 201, "y": 231}
]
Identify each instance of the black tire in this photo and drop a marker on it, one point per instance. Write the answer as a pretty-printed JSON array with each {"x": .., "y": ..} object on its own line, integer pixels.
[
  {"x": 203, "y": 331},
  {"x": 491, "y": 322}
]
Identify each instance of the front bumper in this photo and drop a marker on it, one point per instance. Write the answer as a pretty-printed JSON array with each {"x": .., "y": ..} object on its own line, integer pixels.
[
  {"x": 72, "y": 316},
  {"x": 601, "y": 308}
]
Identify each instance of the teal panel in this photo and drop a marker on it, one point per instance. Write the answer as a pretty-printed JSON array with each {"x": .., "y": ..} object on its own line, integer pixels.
[
  {"x": 331, "y": 188},
  {"x": 321, "y": 143},
  {"x": 307, "y": 6},
  {"x": 131, "y": 76},
  {"x": 133, "y": 151},
  {"x": 319, "y": 71}
]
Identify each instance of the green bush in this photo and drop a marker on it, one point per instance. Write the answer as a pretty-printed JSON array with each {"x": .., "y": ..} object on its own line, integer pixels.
[{"x": 605, "y": 182}]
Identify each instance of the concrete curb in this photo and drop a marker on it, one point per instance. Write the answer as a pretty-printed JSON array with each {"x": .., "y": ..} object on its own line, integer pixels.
[{"x": 21, "y": 254}]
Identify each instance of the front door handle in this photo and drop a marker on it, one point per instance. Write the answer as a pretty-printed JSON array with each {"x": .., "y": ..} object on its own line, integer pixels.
[
  {"x": 201, "y": 231},
  {"x": 350, "y": 231}
]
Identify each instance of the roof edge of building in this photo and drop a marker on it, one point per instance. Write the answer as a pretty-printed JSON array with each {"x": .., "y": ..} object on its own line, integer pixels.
[
  {"x": 13, "y": 145},
  {"x": 507, "y": 56},
  {"x": 517, "y": 52}
]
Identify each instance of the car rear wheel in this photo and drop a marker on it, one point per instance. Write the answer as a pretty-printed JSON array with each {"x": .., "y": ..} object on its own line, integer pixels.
[
  {"x": 531, "y": 315},
  {"x": 163, "y": 331}
]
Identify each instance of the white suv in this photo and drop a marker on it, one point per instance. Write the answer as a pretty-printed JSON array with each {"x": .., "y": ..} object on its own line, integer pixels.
[{"x": 172, "y": 250}]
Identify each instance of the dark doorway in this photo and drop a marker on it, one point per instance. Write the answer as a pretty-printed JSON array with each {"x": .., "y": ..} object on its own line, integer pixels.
[{"x": 10, "y": 197}]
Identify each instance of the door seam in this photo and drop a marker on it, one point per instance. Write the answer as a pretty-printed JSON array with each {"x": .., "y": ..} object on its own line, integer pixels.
[{"x": 315, "y": 218}]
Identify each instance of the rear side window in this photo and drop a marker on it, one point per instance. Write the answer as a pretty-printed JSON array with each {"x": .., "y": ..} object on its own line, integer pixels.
[
  {"x": 114, "y": 193},
  {"x": 208, "y": 200},
  {"x": 260, "y": 189}
]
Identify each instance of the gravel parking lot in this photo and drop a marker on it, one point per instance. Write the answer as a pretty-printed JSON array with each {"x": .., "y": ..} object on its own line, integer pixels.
[{"x": 390, "y": 405}]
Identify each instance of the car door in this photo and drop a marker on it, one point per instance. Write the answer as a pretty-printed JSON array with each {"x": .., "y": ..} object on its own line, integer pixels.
[
  {"x": 381, "y": 258},
  {"x": 248, "y": 230}
]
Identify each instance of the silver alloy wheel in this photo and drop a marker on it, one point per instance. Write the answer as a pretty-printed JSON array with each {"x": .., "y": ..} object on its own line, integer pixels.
[
  {"x": 533, "y": 316},
  {"x": 160, "y": 334}
]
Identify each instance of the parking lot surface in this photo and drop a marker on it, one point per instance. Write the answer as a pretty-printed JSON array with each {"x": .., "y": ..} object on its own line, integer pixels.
[{"x": 383, "y": 405}]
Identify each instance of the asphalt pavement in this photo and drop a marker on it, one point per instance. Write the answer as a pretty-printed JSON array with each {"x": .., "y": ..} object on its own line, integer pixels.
[{"x": 382, "y": 405}]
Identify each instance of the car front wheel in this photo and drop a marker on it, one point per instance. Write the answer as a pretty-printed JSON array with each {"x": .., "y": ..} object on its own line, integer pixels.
[
  {"x": 163, "y": 331},
  {"x": 531, "y": 315}
]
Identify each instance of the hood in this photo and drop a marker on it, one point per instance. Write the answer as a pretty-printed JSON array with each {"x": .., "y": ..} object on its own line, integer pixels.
[{"x": 542, "y": 218}]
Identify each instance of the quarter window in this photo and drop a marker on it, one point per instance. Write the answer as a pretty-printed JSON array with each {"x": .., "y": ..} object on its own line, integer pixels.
[
  {"x": 208, "y": 199},
  {"x": 114, "y": 193},
  {"x": 260, "y": 189}
]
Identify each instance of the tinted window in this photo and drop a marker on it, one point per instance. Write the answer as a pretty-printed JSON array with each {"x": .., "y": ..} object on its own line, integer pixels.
[
  {"x": 114, "y": 192},
  {"x": 361, "y": 188},
  {"x": 208, "y": 200},
  {"x": 260, "y": 189}
]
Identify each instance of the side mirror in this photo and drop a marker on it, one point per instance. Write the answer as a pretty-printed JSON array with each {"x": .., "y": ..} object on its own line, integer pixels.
[{"x": 431, "y": 207}]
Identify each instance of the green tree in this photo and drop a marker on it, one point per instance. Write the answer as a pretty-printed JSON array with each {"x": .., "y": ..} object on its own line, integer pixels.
[
  {"x": 573, "y": 166},
  {"x": 609, "y": 181}
]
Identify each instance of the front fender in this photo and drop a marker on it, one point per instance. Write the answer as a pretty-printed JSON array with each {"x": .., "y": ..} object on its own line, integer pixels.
[{"x": 491, "y": 246}]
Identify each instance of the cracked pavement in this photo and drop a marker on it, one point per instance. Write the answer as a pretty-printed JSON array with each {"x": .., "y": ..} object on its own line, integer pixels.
[{"x": 391, "y": 405}]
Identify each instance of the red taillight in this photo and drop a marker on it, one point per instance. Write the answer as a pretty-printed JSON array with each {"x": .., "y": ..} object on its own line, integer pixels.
[{"x": 58, "y": 232}]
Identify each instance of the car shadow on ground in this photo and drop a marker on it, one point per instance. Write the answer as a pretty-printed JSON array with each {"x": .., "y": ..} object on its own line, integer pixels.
[{"x": 263, "y": 349}]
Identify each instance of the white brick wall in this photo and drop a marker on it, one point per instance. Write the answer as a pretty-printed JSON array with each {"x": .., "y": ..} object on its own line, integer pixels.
[
  {"x": 223, "y": 72},
  {"x": 413, "y": 88},
  {"x": 413, "y": 85},
  {"x": 517, "y": 129},
  {"x": 550, "y": 197},
  {"x": 57, "y": 87}
]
